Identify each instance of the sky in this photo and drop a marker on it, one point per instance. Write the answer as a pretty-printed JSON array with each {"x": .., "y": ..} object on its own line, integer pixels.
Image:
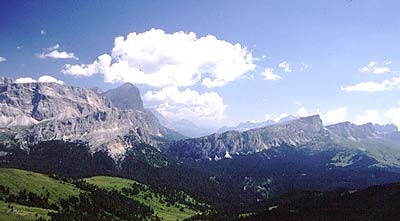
[{"x": 216, "y": 62}]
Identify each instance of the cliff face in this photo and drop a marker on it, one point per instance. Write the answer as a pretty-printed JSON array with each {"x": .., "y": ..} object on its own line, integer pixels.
[
  {"x": 35, "y": 112},
  {"x": 296, "y": 132}
]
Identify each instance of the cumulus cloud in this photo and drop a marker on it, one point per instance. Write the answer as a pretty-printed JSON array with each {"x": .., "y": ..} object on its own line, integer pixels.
[
  {"x": 302, "y": 112},
  {"x": 52, "y": 52},
  {"x": 43, "y": 32},
  {"x": 372, "y": 86},
  {"x": 334, "y": 116},
  {"x": 47, "y": 78},
  {"x": 3, "y": 59},
  {"x": 393, "y": 115},
  {"x": 329, "y": 117},
  {"x": 25, "y": 80},
  {"x": 58, "y": 55},
  {"x": 285, "y": 66},
  {"x": 371, "y": 67},
  {"x": 269, "y": 75},
  {"x": 369, "y": 86},
  {"x": 160, "y": 59},
  {"x": 187, "y": 104},
  {"x": 43, "y": 78},
  {"x": 369, "y": 116}
]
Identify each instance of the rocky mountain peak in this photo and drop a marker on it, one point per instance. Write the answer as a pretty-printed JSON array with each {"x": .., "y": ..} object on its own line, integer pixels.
[
  {"x": 36, "y": 112},
  {"x": 125, "y": 97}
]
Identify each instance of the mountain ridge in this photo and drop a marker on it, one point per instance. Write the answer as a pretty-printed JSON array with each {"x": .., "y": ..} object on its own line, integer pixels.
[{"x": 35, "y": 112}]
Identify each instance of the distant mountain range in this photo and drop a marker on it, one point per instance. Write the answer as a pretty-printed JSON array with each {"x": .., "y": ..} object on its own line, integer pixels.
[
  {"x": 377, "y": 141},
  {"x": 183, "y": 126},
  {"x": 243, "y": 126}
]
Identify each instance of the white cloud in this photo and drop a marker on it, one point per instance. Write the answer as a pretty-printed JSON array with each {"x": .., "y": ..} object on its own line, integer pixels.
[
  {"x": 380, "y": 70},
  {"x": 43, "y": 32},
  {"x": 371, "y": 86},
  {"x": 388, "y": 62},
  {"x": 58, "y": 55},
  {"x": 302, "y": 112},
  {"x": 269, "y": 75},
  {"x": 369, "y": 116},
  {"x": 19, "y": 47},
  {"x": 47, "y": 78},
  {"x": 179, "y": 59},
  {"x": 25, "y": 80},
  {"x": 187, "y": 104},
  {"x": 3, "y": 59},
  {"x": 52, "y": 52},
  {"x": 275, "y": 117},
  {"x": 329, "y": 117},
  {"x": 43, "y": 78},
  {"x": 304, "y": 66},
  {"x": 371, "y": 67},
  {"x": 393, "y": 115},
  {"x": 334, "y": 116},
  {"x": 285, "y": 66},
  {"x": 52, "y": 48}
]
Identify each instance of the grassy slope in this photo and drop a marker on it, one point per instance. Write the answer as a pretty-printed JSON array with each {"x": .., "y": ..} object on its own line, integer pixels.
[
  {"x": 384, "y": 150},
  {"x": 18, "y": 180},
  {"x": 37, "y": 183},
  {"x": 21, "y": 213},
  {"x": 171, "y": 212}
]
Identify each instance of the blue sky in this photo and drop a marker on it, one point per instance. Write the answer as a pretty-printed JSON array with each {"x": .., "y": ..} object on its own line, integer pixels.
[{"x": 217, "y": 62}]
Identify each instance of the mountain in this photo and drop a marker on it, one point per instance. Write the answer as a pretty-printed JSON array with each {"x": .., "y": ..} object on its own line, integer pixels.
[
  {"x": 189, "y": 129},
  {"x": 261, "y": 164},
  {"x": 215, "y": 146},
  {"x": 34, "y": 112},
  {"x": 349, "y": 140},
  {"x": 183, "y": 126},
  {"x": 125, "y": 97}
]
